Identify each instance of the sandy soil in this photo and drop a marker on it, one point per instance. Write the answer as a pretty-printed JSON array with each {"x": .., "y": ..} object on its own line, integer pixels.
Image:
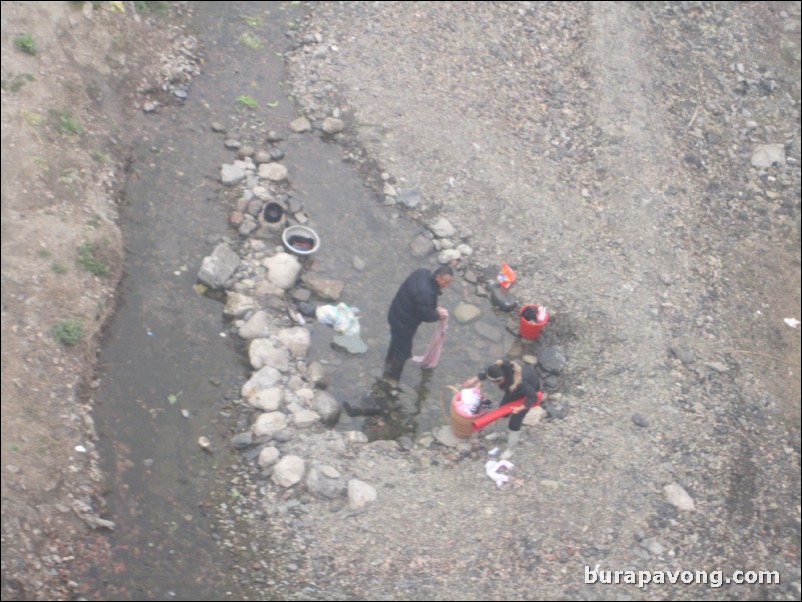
[
  {"x": 624, "y": 132},
  {"x": 608, "y": 152}
]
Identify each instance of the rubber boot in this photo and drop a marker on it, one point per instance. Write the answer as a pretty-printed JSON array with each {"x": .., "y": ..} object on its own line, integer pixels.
[
  {"x": 512, "y": 443},
  {"x": 392, "y": 371}
]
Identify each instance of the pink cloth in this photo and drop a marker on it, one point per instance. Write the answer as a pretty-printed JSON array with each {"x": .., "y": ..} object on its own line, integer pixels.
[{"x": 432, "y": 354}]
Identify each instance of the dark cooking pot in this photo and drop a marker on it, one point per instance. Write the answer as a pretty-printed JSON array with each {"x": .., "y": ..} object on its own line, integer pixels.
[{"x": 273, "y": 213}]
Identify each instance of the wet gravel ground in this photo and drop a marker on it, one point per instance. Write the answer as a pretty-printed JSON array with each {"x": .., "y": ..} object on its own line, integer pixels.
[
  {"x": 638, "y": 166},
  {"x": 612, "y": 154}
]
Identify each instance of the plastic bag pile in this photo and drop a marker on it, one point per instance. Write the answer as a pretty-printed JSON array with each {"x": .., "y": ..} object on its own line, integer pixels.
[{"x": 340, "y": 316}]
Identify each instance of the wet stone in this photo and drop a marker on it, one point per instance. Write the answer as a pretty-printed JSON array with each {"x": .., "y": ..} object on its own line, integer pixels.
[
  {"x": 350, "y": 344},
  {"x": 242, "y": 440},
  {"x": 442, "y": 228},
  {"x": 231, "y": 175},
  {"x": 555, "y": 411},
  {"x": 274, "y": 172},
  {"x": 766, "y": 155},
  {"x": 307, "y": 309},
  {"x": 503, "y": 300},
  {"x": 410, "y": 198},
  {"x": 328, "y": 289},
  {"x": 301, "y": 294},
  {"x": 551, "y": 382},
  {"x": 283, "y": 436},
  {"x": 489, "y": 332},
  {"x": 300, "y": 125},
  {"x": 293, "y": 205},
  {"x": 465, "y": 312},
  {"x": 332, "y": 125},
  {"x": 218, "y": 267},
  {"x": 552, "y": 360},
  {"x": 447, "y": 256}
]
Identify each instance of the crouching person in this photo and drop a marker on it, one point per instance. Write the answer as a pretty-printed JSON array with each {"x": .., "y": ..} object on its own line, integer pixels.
[{"x": 517, "y": 381}]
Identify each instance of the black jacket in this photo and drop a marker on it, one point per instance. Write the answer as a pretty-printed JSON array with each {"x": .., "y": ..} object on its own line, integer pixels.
[
  {"x": 520, "y": 380},
  {"x": 415, "y": 301}
]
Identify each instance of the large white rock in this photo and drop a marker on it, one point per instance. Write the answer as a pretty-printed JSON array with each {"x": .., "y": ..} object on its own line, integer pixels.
[
  {"x": 238, "y": 305},
  {"x": 231, "y": 175},
  {"x": 466, "y": 312},
  {"x": 448, "y": 256},
  {"x": 305, "y": 418},
  {"x": 265, "y": 288},
  {"x": 325, "y": 482},
  {"x": 677, "y": 496},
  {"x": 263, "y": 379},
  {"x": 262, "y": 352},
  {"x": 327, "y": 407},
  {"x": 257, "y": 326},
  {"x": 534, "y": 416},
  {"x": 269, "y": 423},
  {"x": 297, "y": 340},
  {"x": 282, "y": 270},
  {"x": 360, "y": 494},
  {"x": 218, "y": 267},
  {"x": 268, "y": 456},
  {"x": 289, "y": 471},
  {"x": 300, "y": 124},
  {"x": 442, "y": 228},
  {"x": 275, "y": 172},
  {"x": 332, "y": 125},
  {"x": 268, "y": 400},
  {"x": 766, "y": 155}
]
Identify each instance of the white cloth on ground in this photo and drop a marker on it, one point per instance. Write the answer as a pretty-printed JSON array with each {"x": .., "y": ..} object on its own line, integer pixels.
[{"x": 492, "y": 467}]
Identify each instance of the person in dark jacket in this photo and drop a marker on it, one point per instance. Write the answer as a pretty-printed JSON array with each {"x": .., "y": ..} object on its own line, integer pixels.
[
  {"x": 415, "y": 302},
  {"x": 517, "y": 381}
]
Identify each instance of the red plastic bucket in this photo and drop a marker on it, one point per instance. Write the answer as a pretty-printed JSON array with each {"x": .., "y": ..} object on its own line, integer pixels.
[{"x": 531, "y": 330}]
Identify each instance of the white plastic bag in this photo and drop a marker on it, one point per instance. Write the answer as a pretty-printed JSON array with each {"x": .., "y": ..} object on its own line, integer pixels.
[
  {"x": 340, "y": 316},
  {"x": 326, "y": 314},
  {"x": 492, "y": 470}
]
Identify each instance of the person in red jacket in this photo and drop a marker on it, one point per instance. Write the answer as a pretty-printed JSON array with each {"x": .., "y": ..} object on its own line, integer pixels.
[{"x": 415, "y": 302}]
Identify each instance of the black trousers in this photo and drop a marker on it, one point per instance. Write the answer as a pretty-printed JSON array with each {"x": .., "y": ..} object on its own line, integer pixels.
[
  {"x": 517, "y": 420},
  {"x": 400, "y": 342}
]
